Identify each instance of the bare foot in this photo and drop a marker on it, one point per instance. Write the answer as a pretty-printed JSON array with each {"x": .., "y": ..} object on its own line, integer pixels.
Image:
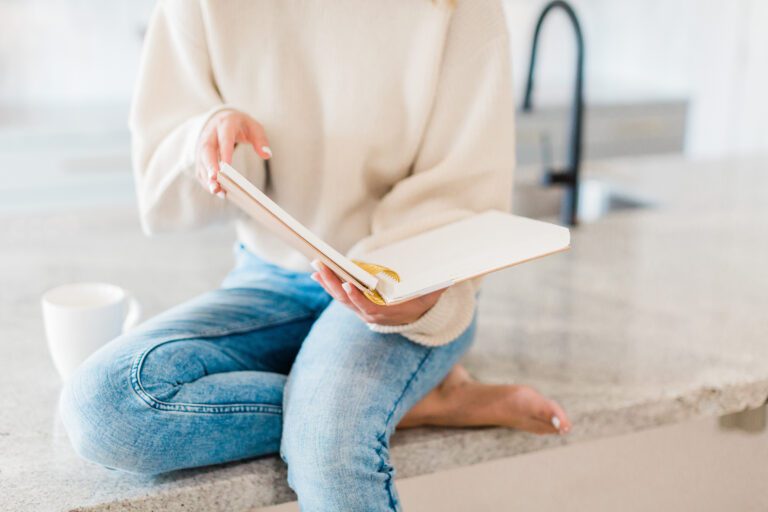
[{"x": 460, "y": 401}]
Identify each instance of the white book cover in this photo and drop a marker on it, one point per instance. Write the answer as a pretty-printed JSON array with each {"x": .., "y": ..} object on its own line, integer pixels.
[{"x": 478, "y": 245}]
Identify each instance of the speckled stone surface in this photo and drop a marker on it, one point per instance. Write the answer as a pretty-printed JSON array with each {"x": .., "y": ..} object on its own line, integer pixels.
[{"x": 655, "y": 316}]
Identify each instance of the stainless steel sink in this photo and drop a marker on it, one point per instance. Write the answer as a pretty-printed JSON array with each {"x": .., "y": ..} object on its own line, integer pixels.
[{"x": 596, "y": 200}]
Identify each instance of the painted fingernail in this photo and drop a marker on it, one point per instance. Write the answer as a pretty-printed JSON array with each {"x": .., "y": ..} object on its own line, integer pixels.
[
  {"x": 316, "y": 265},
  {"x": 556, "y": 422},
  {"x": 212, "y": 187},
  {"x": 266, "y": 150},
  {"x": 347, "y": 287}
]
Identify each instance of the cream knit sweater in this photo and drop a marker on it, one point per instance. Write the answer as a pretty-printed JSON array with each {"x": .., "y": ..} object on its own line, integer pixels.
[{"x": 384, "y": 119}]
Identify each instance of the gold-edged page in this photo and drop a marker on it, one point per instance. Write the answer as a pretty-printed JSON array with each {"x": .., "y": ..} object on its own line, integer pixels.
[{"x": 256, "y": 204}]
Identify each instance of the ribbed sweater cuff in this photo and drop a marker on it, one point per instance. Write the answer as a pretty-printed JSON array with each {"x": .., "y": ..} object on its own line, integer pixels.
[{"x": 443, "y": 323}]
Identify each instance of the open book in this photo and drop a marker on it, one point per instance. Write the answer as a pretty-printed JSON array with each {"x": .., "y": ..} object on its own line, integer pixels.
[{"x": 468, "y": 248}]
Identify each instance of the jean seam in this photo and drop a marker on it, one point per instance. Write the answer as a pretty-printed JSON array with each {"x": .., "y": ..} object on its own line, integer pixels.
[
  {"x": 382, "y": 438},
  {"x": 155, "y": 403}
]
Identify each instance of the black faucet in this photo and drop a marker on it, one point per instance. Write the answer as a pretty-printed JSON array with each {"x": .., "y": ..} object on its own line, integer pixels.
[{"x": 569, "y": 176}]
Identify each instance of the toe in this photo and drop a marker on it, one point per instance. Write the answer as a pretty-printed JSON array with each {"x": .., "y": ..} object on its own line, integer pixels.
[
  {"x": 562, "y": 424},
  {"x": 537, "y": 426},
  {"x": 549, "y": 412}
]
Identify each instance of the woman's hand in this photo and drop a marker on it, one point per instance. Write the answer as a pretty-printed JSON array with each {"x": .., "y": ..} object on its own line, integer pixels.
[
  {"x": 217, "y": 142},
  {"x": 350, "y": 296}
]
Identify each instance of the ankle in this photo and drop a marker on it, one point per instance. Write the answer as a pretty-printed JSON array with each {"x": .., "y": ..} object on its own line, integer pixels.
[{"x": 456, "y": 378}]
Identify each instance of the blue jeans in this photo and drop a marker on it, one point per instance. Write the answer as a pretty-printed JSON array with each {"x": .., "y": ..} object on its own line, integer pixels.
[{"x": 266, "y": 363}]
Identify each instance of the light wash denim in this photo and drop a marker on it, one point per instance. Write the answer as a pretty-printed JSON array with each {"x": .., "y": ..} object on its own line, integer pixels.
[{"x": 266, "y": 363}]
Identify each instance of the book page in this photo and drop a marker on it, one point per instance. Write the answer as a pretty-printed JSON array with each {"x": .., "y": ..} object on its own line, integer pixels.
[
  {"x": 468, "y": 248},
  {"x": 254, "y": 202}
]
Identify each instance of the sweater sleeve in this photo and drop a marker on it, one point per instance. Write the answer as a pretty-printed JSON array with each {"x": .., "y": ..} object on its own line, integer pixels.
[
  {"x": 175, "y": 96},
  {"x": 464, "y": 164}
]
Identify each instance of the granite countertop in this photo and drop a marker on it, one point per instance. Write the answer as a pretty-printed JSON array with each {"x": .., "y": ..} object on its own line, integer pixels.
[{"x": 655, "y": 316}]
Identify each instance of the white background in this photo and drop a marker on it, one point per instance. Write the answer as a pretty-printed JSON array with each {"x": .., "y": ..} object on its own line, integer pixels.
[{"x": 711, "y": 52}]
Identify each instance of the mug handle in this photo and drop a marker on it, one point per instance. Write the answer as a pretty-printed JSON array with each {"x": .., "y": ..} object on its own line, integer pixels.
[{"x": 133, "y": 315}]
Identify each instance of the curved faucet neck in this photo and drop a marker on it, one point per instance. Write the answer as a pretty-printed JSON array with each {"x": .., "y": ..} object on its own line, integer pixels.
[{"x": 569, "y": 176}]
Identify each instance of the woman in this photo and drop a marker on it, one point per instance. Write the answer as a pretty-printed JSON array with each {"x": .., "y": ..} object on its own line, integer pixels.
[{"x": 380, "y": 120}]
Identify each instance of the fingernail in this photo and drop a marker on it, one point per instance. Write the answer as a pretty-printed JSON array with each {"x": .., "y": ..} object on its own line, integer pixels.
[
  {"x": 212, "y": 188},
  {"x": 556, "y": 422},
  {"x": 316, "y": 265},
  {"x": 220, "y": 194},
  {"x": 313, "y": 276},
  {"x": 347, "y": 287},
  {"x": 266, "y": 150}
]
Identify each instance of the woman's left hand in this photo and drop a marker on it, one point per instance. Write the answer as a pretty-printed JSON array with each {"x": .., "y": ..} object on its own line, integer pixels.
[{"x": 398, "y": 314}]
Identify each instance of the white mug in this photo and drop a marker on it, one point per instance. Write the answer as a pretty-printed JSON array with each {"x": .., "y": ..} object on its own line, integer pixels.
[{"x": 81, "y": 317}]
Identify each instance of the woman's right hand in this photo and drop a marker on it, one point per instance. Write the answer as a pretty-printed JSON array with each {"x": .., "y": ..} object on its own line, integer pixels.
[{"x": 217, "y": 142}]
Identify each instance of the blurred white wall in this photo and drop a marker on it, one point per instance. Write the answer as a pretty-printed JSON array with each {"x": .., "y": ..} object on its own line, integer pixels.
[
  {"x": 55, "y": 52},
  {"x": 713, "y": 52}
]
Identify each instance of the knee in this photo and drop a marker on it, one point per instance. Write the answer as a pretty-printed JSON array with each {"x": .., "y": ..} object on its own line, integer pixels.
[
  {"x": 319, "y": 452},
  {"x": 336, "y": 464},
  {"x": 101, "y": 417}
]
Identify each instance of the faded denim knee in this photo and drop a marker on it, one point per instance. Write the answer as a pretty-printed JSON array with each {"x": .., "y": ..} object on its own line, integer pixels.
[
  {"x": 337, "y": 455},
  {"x": 104, "y": 420}
]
